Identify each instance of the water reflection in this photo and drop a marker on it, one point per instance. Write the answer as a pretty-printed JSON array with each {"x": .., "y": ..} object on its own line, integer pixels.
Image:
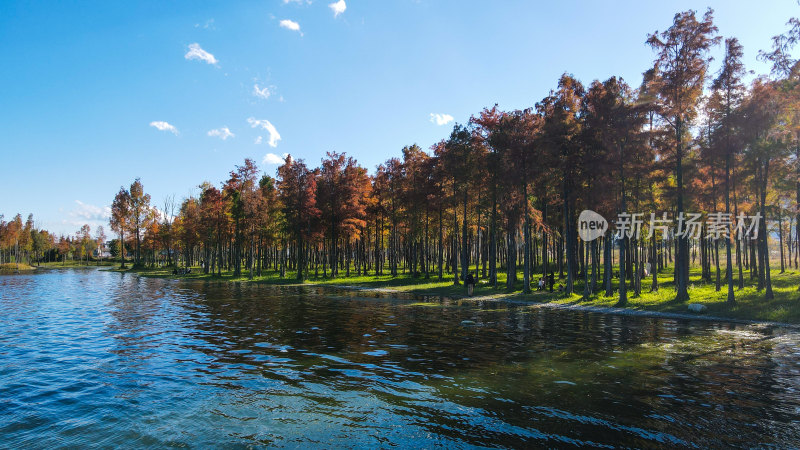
[{"x": 114, "y": 359}]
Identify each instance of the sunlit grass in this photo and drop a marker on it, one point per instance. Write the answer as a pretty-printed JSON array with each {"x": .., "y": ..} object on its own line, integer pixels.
[{"x": 750, "y": 302}]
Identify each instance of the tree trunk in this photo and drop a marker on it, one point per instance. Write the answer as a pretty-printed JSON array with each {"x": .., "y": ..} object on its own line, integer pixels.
[
  {"x": 511, "y": 260},
  {"x": 464, "y": 248},
  {"x": 607, "y": 266},
  {"x": 780, "y": 240},
  {"x": 493, "y": 240},
  {"x": 769, "y": 295}
]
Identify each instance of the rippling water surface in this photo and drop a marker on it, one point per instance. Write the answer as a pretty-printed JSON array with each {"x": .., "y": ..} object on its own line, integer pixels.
[{"x": 93, "y": 357}]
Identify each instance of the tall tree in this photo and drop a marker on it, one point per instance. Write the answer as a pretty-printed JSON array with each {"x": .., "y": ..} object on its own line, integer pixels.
[
  {"x": 140, "y": 212},
  {"x": 212, "y": 225},
  {"x": 515, "y": 138},
  {"x": 239, "y": 189},
  {"x": 730, "y": 90},
  {"x": 614, "y": 120},
  {"x": 340, "y": 191},
  {"x": 460, "y": 160},
  {"x": 765, "y": 151},
  {"x": 120, "y": 217},
  {"x": 786, "y": 69},
  {"x": 297, "y": 187},
  {"x": 560, "y": 136},
  {"x": 487, "y": 121},
  {"x": 680, "y": 71}
]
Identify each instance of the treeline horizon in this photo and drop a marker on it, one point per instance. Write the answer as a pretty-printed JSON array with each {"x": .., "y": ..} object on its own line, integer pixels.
[
  {"x": 26, "y": 243},
  {"x": 505, "y": 189}
]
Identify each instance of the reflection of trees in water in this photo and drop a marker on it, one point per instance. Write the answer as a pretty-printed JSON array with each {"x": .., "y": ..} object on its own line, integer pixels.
[
  {"x": 592, "y": 377},
  {"x": 19, "y": 294},
  {"x": 728, "y": 380},
  {"x": 134, "y": 304},
  {"x": 138, "y": 335},
  {"x": 784, "y": 387}
]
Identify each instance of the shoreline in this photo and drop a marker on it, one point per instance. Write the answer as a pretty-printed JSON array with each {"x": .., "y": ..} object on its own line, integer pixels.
[
  {"x": 577, "y": 307},
  {"x": 574, "y": 305}
]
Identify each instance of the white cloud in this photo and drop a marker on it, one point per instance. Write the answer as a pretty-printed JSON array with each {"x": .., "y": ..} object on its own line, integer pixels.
[
  {"x": 258, "y": 140},
  {"x": 93, "y": 213},
  {"x": 272, "y": 158},
  {"x": 290, "y": 25},
  {"x": 338, "y": 7},
  {"x": 441, "y": 119},
  {"x": 195, "y": 52},
  {"x": 222, "y": 133},
  {"x": 261, "y": 92},
  {"x": 274, "y": 136},
  {"x": 164, "y": 126}
]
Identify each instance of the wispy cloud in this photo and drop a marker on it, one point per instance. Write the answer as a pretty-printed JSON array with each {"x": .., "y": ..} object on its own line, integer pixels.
[
  {"x": 274, "y": 136},
  {"x": 291, "y": 25},
  {"x": 89, "y": 212},
  {"x": 261, "y": 92},
  {"x": 196, "y": 52},
  {"x": 338, "y": 7},
  {"x": 164, "y": 126},
  {"x": 272, "y": 158},
  {"x": 209, "y": 25},
  {"x": 223, "y": 133},
  {"x": 441, "y": 119},
  {"x": 258, "y": 140}
]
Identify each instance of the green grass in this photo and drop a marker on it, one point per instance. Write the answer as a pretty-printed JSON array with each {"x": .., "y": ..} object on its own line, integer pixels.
[
  {"x": 75, "y": 263},
  {"x": 750, "y": 303}
]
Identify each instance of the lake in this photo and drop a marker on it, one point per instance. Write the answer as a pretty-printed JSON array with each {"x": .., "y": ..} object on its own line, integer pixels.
[{"x": 90, "y": 357}]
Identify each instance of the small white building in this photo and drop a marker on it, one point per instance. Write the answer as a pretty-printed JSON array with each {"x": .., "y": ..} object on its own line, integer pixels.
[{"x": 102, "y": 251}]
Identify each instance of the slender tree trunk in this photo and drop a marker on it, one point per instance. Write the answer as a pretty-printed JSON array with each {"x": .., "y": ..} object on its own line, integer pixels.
[
  {"x": 797, "y": 198},
  {"x": 122, "y": 248},
  {"x": 586, "y": 291},
  {"x": 769, "y": 295},
  {"x": 441, "y": 245},
  {"x": 493, "y": 239},
  {"x": 780, "y": 240},
  {"x": 654, "y": 263},
  {"x": 570, "y": 250},
  {"x": 682, "y": 257},
  {"x": 718, "y": 285},
  {"x": 511, "y": 259},
  {"x": 623, "y": 246},
  {"x": 426, "y": 249},
  {"x": 545, "y": 262},
  {"x": 607, "y": 265},
  {"x": 464, "y": 247},
  {"x": 729, "y": 261},
  {"x": 593, "y": 286}
]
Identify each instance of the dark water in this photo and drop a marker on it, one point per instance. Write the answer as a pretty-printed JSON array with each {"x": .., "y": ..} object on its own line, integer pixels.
[{"x": 101, "y": 358}]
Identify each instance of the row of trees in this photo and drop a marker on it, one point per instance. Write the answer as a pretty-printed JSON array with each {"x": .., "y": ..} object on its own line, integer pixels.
[
  {"x": 24, "y": 242},
  {"x": 505, "y": 189}
]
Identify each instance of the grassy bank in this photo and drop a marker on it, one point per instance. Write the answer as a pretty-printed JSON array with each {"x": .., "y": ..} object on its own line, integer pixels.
[
  {"x": 7, "y": 268},
  {"x": 750, "y": 302},
  {"x": 72, "y": 264}
]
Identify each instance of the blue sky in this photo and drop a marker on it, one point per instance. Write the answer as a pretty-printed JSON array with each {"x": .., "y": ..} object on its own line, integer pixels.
[{"x": 89, "y": 90}]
